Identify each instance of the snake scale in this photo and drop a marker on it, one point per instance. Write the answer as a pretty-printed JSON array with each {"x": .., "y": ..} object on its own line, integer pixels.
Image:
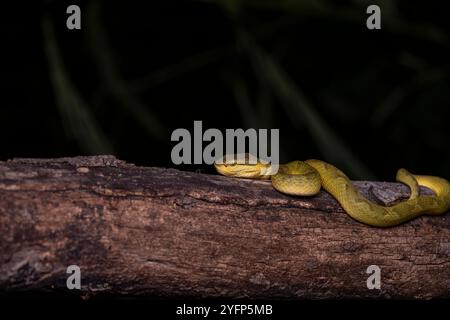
[{"x": 305, "y": 178}]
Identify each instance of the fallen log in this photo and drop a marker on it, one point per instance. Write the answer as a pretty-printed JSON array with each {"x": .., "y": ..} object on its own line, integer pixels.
[{"x": 156, "y": 232}]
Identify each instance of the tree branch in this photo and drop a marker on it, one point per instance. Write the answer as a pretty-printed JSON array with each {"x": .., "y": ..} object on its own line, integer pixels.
[{"x": 158, "y": 232}]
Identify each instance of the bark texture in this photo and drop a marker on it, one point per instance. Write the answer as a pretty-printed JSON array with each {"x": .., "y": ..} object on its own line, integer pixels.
[{"x": 137, "y": 231}]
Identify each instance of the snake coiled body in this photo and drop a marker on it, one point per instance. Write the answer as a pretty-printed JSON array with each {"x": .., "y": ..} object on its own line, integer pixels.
[{"x": 306, "y": 178}]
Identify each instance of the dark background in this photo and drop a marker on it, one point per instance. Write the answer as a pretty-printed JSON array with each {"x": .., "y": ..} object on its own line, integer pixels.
[{"x": 368, "y": 101}]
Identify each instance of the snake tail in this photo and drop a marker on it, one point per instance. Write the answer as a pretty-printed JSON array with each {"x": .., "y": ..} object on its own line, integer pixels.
[{"x": 335, "y": 182}]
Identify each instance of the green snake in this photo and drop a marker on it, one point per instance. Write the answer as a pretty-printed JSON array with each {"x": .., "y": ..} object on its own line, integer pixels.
[{"x": 305, "y": 178}]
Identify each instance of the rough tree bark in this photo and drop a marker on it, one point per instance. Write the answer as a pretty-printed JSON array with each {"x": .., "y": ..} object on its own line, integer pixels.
[{"x": 158, "y": 232}]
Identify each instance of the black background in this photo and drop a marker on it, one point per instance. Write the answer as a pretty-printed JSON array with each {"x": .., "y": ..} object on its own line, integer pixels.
[{"x": 384, "y": 94}]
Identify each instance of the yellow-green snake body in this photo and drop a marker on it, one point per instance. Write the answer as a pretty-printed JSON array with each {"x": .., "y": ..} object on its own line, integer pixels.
[{"x": 306, "y": 178}]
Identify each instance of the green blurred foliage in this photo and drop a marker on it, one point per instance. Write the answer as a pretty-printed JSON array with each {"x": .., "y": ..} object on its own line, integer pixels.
[{"x": 369, "y": 101}]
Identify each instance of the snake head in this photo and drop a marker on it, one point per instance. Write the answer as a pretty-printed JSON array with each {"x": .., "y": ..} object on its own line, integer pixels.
[{"x": 242, "y": 165}]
